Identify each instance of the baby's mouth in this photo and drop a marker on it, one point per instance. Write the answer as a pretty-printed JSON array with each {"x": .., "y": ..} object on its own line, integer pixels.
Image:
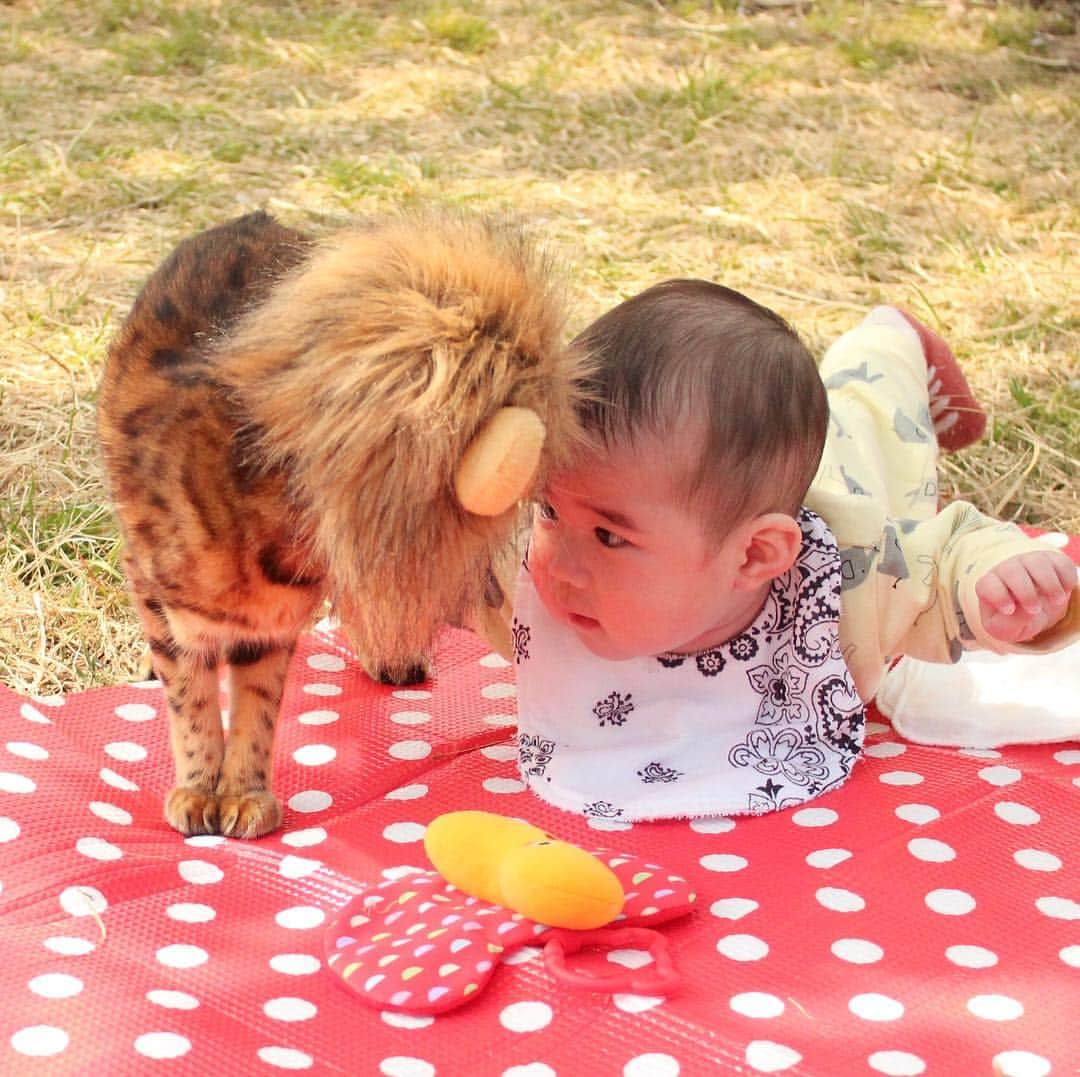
[{"x": 579, "y": 620}]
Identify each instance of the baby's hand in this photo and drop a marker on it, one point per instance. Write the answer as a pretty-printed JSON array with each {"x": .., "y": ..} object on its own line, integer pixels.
[{"x": 1025, "y": 595}]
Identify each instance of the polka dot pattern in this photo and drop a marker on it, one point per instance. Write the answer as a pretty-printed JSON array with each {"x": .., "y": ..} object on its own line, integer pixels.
[{"x": 957, "y": 867}]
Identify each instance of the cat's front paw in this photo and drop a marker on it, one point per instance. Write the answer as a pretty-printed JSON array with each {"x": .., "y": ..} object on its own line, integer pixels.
[
  {"x": 249, "y": 815},
  {"x": 192, "y": 811}
]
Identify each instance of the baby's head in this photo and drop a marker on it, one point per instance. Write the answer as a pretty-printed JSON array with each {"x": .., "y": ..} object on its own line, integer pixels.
[{"x": 707, "y": 420}]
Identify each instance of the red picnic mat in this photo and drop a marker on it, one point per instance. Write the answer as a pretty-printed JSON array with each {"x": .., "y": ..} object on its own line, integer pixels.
[{"x": 923, "y": 918}]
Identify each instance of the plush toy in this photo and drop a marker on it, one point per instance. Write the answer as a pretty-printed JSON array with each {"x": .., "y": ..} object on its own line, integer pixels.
[{"x": 428, "y": 942}]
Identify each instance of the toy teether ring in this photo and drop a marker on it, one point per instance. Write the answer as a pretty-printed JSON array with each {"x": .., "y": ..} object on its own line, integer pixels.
[{"x": 658, "y": 979}]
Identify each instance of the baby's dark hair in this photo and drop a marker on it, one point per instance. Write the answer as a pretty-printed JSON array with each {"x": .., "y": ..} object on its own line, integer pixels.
[{"x": 696, "y": 356}]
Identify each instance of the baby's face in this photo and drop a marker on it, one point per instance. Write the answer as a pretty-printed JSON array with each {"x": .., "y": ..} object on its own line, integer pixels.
[{"x": 615, "y": 555}]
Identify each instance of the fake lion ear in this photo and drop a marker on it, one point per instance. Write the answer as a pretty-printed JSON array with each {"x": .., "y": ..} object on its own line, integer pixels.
[{"x": 498, "y": 466}]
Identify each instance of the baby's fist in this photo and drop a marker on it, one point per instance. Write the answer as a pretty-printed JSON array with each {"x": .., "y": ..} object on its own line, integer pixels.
[{"x": 1025, "y": 595}]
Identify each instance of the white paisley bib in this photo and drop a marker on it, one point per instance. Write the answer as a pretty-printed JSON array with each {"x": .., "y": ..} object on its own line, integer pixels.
[{"x": 767, "y": 720}]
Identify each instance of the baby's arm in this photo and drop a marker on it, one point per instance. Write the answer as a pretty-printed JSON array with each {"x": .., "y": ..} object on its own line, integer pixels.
[{"x": 1025, "y": 595}]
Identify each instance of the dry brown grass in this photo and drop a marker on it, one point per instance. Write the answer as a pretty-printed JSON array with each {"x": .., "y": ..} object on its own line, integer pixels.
[{"x": 821, "y": 158}]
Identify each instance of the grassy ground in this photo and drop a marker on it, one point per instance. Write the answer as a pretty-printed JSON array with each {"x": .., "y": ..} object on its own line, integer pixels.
[{"x": 821, "y": 157}]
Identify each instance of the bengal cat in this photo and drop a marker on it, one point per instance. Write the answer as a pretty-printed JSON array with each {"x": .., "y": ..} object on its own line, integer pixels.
[{"x": 281, "y": 422}]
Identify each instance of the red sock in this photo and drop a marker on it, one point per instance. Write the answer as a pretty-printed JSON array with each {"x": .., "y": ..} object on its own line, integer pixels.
[{"x": 959, "y": 420}]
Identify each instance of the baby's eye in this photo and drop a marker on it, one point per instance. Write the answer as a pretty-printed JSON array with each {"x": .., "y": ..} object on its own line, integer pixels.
[
  {"x": 609, "y": 538},
  {"x": 546, "y": 511}
]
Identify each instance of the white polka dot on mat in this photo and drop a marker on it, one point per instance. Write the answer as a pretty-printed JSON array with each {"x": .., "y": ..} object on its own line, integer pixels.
[
  {"x": 652, "y": 1064},
  {"x": 732, "y": 908},
  {"x": 136, "y": 712},
  {"x": 200, "y": 872},
  {"x": 900, "y": 777},
  {"x": 69, "y": 945},
  {"x": 173, "y": 1000},
  {"x": 315, "y": 755},
  {"x": 326, "y": 663},
  {"x": 408, "y": 792},
  {"x": 630, "y": 959},
  {"x": 875, "y": 1007},
  {"x": 1058, "y": 908},
  {"x": 814, "y": 817},
  {"x": 126, "y": 751},
  {"x": 162, "y": 1045},
  {"x": 117, "y": 781},
  {"x": 1058, "y": 539},
  {"x": 768, "y": 1057},
  {"x": 757, "y": 1004},
  {"x": 723, "y": 862},
  {"x": 318, "y": 688},
  {"x": 972, "y": 957},
  {"x": 300, "y": 917},
  {"x": 286, "y": 1058},
  {"x": 410, "y": 718},
  {"x": 110, "y": 813},
  {"x": 405, "y": 1066},
  {"x": 56, "y": 985},
  {"x": 181, "y": 955},
  {"x": 742, "y": 947},
  {"x": 1020, "y": 1064},
  {"x": 857, "y": 951},
  {"x": 503, "y": 785},
  {"x": 886, "y": 749},
  {"x": 98, "y": 849},
  {"x": 920, "y": 814},
  {"x": 526, "y": 1016},
  {"x": 83, "y": 901},
  {"x": 897, "y": 1063},
  {"x": 32, "y": 714},
  {"x": 403, "y": 833},
  {"x": 950, "y": 902},
  {"x": 931, "y": 850},
  {"x": 1000, "y": 775},
  {"x": 500, "y": 753},
  {"x": 323, "y": 717},
  {"x": 498, "y": 691},
  {"x": 288, "y": 1008},
  {"x": 827, "y": 858},
  {"x": 1017, "y": 814},
  {"x": 531, "y": 1069},
  {"x": 995, "y": 1007},
  {"x": 874, "y": 728},
  {"x": 522, "y": 955},
  {"x": 608, "y": 824},
  {"x": 712, "y": 825},
  {"x": 298, "y": 867},
  {"x": 1037, "y": 860},
  {"x": 310, "y": 800},
  {"x": 636, "y": 1003},
  {"x": 295, "y": 964},
  {"x": 9, "y": 829},
  {"x": 302, "y": 839},
  {"x": 11, "y": 782},
  {"x": 409, "y": 749},
  {"x": 190, "y": 912},
  {"x": 500, "y": 720},
  {"x": 493, "y": 661},
  {"x": 205, "y": 841},
  {"x": 406, "y": 1020},
  {"x": 839, "y": 900},
  {"x": 1068, "y": 756},
  {"x": 411, "y": 693},
  {"x": 40, "y": 1041},
  {"x": 399, "y": 871},
  {"x": 1070, "y": 955},
  {"x": 25, "y": 750}
]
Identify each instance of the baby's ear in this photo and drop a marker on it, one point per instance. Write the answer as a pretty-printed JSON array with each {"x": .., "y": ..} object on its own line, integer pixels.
[{"x": 772, "y": 544}]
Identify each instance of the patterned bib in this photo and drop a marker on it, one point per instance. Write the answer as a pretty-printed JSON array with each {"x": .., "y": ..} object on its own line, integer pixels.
[{"x": 767, "y": 720}]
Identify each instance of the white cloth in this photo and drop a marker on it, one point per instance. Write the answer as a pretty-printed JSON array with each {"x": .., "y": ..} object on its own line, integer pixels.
[
  {"x": 768, "y": 720},
  {"x": 985, "y": 700}
]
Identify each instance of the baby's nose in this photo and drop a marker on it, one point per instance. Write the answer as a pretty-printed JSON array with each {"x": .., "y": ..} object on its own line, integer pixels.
[{"x": 564, "y": 565}]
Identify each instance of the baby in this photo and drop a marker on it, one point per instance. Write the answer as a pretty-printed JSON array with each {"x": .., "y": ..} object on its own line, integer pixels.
[{"x": 714, "y": 590}]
